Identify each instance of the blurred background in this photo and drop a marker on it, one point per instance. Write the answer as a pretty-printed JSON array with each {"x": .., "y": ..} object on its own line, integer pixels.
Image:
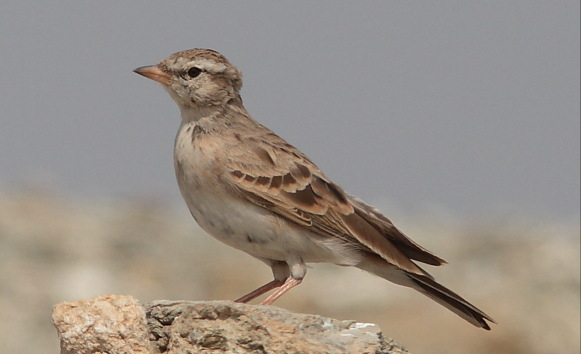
[{"x": 459, "y": 120}]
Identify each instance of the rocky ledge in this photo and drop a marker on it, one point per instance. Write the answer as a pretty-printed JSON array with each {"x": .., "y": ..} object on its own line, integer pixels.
[{"x": 118, "y": 324}]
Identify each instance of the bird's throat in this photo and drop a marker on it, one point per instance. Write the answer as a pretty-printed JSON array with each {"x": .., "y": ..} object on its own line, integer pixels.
[{"x": 193, "y": 113}]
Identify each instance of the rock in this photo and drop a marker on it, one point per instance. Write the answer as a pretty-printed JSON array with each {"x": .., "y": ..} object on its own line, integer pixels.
[
  {"x": 105, "y": 324},
  {"x": 119, "y": 324},
  {"x": 228, "y": 327}
]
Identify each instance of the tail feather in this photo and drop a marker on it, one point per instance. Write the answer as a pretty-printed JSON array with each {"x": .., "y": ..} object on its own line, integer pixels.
[
  {"x": 426, "y": 285},
  {"x": 451, "y": 301}
]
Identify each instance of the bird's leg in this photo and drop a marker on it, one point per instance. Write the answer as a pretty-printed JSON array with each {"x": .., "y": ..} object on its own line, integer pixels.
[
  {"x": 288, "y": 284},
  {"x": 280, "y": 271},
  {"x": 256, "y": 293},
  {"x": 292, "y": 271},
  {"x": 297, "y": 269}
]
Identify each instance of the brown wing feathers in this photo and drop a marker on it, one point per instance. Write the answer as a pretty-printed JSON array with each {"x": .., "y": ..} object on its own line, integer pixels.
[
  {"x": 407, "y": 246},
  {"x": 299, "y": 192}
]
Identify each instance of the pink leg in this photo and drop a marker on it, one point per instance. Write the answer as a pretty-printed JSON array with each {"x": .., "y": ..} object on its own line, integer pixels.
[
  {"x": 256, "y": 293},
  {"x": 288, "y": 284}
]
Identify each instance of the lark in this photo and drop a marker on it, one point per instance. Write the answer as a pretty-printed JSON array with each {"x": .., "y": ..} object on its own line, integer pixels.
[{"x": 253, "y": 191}]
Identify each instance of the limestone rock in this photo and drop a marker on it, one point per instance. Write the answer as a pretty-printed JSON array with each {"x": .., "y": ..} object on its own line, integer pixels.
[
  {"x": 118, "y": 324},
  {"x": 105, "y": 324}
]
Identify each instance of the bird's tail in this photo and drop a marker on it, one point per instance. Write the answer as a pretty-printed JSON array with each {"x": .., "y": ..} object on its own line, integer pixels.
[
  {"x": 450, "y": 300},
  {"x": 426, "y": 285}
]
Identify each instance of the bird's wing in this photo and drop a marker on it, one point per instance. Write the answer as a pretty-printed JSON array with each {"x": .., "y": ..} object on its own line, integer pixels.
[{"x": 273, "y": 174}]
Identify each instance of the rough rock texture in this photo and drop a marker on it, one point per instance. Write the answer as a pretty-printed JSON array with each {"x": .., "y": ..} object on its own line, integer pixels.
[
  {"x": 105, "y": 324},
  {"x": 119, "y": 324}
]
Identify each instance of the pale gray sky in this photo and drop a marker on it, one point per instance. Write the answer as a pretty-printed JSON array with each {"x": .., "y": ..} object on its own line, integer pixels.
[{"x": 471, "y": 106}]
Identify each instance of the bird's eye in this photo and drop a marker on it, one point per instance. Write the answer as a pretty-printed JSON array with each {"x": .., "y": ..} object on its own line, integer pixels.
[{"x": 193, "y": 72}]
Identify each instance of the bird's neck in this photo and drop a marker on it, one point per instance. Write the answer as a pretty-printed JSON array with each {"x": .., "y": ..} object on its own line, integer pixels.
[{"x": 193, "y": 113}]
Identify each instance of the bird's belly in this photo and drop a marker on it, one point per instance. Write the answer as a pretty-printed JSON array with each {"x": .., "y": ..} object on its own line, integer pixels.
[{"x": 260, "y": 232}]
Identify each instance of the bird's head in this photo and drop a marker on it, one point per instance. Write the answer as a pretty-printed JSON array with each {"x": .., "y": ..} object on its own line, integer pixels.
[{"x": 197, "y": 78}]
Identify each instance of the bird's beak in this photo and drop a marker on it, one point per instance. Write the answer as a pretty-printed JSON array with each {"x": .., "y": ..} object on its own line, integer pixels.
[{"x": 154, "y": 73}]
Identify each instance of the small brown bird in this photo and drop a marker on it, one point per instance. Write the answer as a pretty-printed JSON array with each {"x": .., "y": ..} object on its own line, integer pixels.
[{"x": 252, "y": 190}]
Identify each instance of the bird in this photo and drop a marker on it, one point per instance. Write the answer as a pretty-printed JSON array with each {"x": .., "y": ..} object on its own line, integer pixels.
[{"x": 252, "y": 190}]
